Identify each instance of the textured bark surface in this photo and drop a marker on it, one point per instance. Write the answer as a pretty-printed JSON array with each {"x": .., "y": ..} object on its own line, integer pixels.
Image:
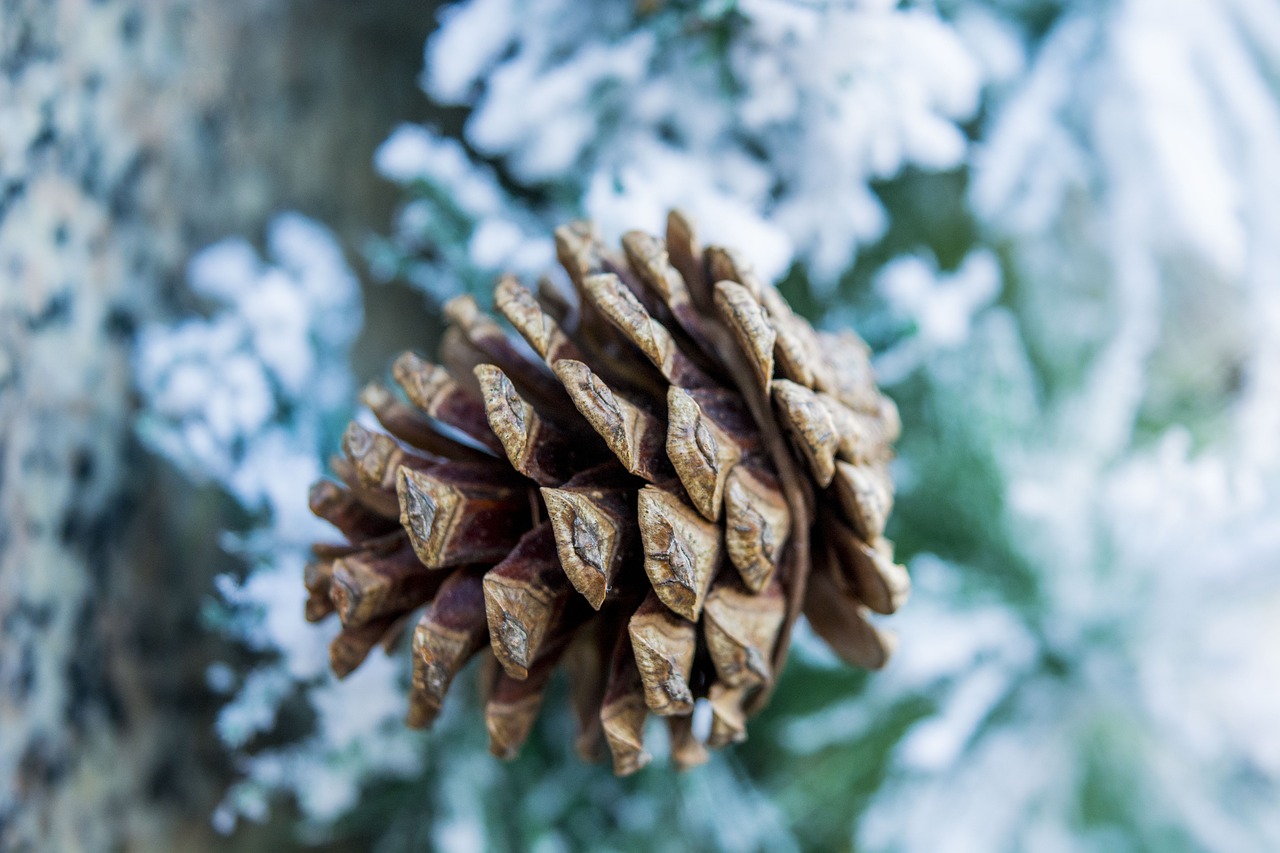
[{"x": 131, "y": 134}]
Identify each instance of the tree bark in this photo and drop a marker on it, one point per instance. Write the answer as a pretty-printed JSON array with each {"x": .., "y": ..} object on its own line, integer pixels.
[{"x": 131, "y": 134}]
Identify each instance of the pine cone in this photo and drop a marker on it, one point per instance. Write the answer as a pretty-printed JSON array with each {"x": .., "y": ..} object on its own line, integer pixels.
[{"x": 651, "y": 501}]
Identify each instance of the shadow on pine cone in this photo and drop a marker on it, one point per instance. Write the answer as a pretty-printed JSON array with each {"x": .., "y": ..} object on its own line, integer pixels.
[{"x": 684, "y": 467}]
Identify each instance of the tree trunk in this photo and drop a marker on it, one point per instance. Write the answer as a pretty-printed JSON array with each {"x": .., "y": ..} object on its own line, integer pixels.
[{"x": 132, "y": 133}]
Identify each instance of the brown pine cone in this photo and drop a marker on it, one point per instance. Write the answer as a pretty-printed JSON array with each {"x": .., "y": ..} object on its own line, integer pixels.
[{"x": 649, "y": 493}]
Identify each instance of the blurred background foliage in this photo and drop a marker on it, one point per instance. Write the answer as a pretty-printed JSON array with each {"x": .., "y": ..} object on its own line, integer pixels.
[{"x": 1054, "y": 223}]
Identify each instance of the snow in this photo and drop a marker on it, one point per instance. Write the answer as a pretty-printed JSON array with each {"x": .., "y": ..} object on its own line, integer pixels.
[
  {"x": 1113, "y": 175},
  {"x": 463, "y": 231},
  {"x": 1113, "y": 621},
  {"x": 248, "y": 398},
  {"x": 940, "y": 307},
  {"x": 833, "y": 96}
]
